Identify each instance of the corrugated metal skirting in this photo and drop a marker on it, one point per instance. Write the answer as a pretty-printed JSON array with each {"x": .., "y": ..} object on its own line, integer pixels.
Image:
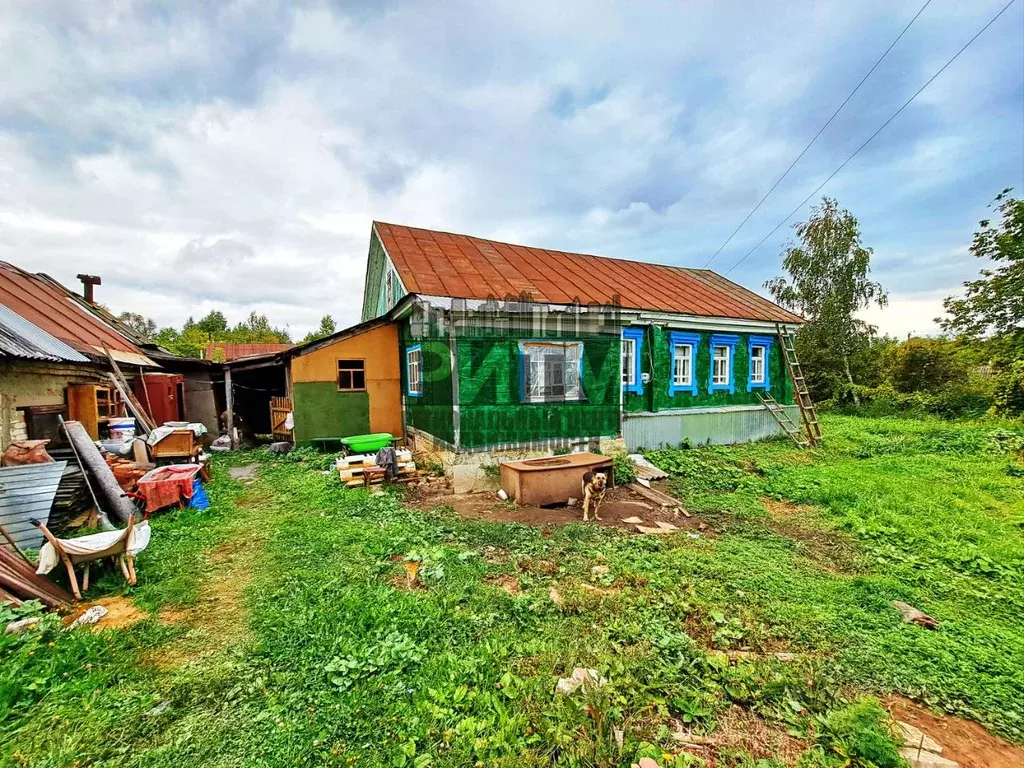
[
  {"x": 27, "y": 492},
  {"x": 719, "y": 427}
]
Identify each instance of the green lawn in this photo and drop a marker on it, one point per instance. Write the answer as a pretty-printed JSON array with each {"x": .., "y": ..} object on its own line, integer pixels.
[{"x": 282, "y": 632}]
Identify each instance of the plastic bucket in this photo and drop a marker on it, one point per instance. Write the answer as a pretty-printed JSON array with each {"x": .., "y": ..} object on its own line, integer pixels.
[{"x": 122, "y": 429}]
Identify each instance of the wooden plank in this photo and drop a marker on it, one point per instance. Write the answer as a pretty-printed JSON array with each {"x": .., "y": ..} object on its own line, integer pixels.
[
  {"x": 121, "y": 384},
  {"x": 82, "y": 408}
]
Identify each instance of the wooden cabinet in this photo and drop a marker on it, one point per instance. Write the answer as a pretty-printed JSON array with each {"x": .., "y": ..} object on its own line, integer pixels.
[{"x": 93, "y": 405}]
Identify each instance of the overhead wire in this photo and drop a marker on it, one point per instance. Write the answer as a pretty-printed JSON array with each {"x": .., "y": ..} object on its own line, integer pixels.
[
  {"x": 873, "y": 135},
  {"x": 820, "y": 131}
]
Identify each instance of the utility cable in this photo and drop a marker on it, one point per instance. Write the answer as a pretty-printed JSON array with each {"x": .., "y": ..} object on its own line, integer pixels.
[
  {"x": 872, "y": 136},
  {"x": 820, "y": 131}
]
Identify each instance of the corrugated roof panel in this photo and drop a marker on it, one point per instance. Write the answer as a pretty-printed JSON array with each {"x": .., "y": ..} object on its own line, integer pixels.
[
  {"x": 20, "y": 338},
  {"x": 26, "y": 493},
  {"x": 49, "y": 306},
  {"x": 467, "y": 267}
]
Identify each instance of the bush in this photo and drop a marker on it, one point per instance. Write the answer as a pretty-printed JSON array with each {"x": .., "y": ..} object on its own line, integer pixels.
[
  {"x": 624, "y": 469},
  {"x": 860, "y": 735},
  {"x": 1009, "y": 394},
  {"x": 884, "y": 401},
  {"x": 923, "y": 365}
]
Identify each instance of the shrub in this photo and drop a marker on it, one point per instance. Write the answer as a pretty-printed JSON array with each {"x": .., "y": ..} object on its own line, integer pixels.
[
  {"x": 1009, "y": 395},
  {"x": 860, "y": 735},
  {"x": 624, "y": 469}
]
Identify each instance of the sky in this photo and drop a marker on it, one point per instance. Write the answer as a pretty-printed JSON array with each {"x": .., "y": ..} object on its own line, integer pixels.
[{"x": 233, "y": 155}]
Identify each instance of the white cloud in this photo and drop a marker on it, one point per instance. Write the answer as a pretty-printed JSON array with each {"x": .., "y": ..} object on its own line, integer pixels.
[{"x": 233, "y": 155}]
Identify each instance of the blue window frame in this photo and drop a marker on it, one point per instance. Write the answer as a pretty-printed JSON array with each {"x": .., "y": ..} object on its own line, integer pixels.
[
  {"x": 723, "y": 355},
  {"x": 414, "y": 371},
  {"x": 758, "y": 371},
  {"x": 683, "y": 355},
  {"x": 632, "y": 350}
]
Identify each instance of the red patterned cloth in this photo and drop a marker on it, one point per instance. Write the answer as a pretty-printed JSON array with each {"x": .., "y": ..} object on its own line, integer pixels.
[{"x": 168, "y": 485}]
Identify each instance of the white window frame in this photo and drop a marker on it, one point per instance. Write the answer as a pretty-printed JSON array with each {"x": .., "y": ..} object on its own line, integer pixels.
[
  {"x": 725, "y": 378},
  {"x": 540, "y": 360},
  {"x": 628, "y": 362},
  {"x": 414, "y": 371},
  {"x": 677, "y": 379},
  {"x": 389, "y": 289},
  {"x": 758, "y": 377}
]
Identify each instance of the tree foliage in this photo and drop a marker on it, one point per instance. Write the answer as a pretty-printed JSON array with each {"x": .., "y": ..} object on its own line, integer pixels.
[
  {"x": 143, "y": 326},
  {"x": 828, "y": 284},
  {"x": 195, "y": 335},
  {"x": 993, "y": 305},
  {"x": 327, "y": 327}
]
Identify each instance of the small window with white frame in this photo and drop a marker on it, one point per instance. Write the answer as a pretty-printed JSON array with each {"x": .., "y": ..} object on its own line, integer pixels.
[
  {"x": 758, "y": 357},
  {"x": 628, "y": 362},
  {"x": 414, "y": 371},
  {"x": 721, "y": 361},
  {"x": 551, "y": 371},
  {"x": 682, "y": 365}
]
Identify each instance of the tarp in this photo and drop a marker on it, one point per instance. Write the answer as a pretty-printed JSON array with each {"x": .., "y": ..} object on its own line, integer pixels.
[{"x": 94, "y": 545}]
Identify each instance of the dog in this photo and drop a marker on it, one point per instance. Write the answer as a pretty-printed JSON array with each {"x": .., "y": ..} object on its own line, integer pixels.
[{"x": 594, "y": 484}]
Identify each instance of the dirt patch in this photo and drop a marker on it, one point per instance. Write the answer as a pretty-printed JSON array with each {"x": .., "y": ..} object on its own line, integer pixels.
[
  {"x": 619, "y": 505},
  {"x": 832, "y": 550},
  {"x": 121, "y": 613},
  {"x": 218, "y": 619},
  {"x": 739, "y": 730},
  {"x": 965, "y": 742},
  {"x": 505, "y": 582}
]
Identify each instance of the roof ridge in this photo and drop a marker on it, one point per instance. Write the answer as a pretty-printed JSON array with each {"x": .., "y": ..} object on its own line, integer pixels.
[{"x": 545, "y": 248}]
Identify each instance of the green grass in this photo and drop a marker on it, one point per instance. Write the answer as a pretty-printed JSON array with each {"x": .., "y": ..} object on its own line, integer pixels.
[{"x": 328, "y": 658}]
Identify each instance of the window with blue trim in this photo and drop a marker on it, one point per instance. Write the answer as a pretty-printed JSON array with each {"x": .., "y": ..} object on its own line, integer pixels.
[
  {"x": 684, "y": 362},
  {"x": 550, "y": 371},
  {"x": 414, "y": 371},
  {"x": 759, "y": 349},
  {"x": 723, "y": 354},
  {"x": 632, "y": 350}
]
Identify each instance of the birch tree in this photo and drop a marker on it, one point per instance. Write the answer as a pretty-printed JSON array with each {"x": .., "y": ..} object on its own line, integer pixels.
[{"x": 828, "y": 284}]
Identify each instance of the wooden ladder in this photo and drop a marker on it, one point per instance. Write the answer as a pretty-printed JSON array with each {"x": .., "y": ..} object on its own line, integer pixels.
[
  {"x": 790, "y": 427},
  {"x": 803, "y": 397}
]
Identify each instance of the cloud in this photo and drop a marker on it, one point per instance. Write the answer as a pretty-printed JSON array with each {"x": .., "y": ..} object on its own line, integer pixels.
[{"x": 233, "y": 155}]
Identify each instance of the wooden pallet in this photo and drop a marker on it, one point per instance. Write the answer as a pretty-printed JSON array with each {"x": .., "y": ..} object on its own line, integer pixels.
[{"x": 350, "y": 468}]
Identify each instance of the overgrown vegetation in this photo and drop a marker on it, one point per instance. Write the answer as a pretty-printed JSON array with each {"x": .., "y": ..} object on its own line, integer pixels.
[
  {"x": 375, "y": 634},
  {"x": 978, "y": 368}
]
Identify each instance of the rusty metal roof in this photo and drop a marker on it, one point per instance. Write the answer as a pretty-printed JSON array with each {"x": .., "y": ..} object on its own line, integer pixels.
[
  {"x": 20, "y": 338},
  {"x": 461, "y": 266},
  {"x": 225, "y": 351},
  {"x": 50, "y": 307}
]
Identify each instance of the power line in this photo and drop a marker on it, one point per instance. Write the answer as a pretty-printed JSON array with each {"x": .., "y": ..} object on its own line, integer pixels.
[
  {"x": 820, "y": 131},
  {"x": 872, "y": 136}
]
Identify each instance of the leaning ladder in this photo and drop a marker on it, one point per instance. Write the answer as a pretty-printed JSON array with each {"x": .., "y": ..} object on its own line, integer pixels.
[
  {"x": 803, "y": 397},
  {"x": 790, "y": 427}
]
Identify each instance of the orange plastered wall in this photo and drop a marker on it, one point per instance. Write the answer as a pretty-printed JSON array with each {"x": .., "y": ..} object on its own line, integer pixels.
[{"x": 378, "y": 347}]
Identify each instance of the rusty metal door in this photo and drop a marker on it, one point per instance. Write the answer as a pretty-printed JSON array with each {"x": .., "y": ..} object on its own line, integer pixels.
[{"x": 280, "y": 407}]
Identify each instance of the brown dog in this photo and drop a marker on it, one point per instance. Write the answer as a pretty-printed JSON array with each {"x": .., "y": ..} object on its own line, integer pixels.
[{"x": 594, "y": 484}]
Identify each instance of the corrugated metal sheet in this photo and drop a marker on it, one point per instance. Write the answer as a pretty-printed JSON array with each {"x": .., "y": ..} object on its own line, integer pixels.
[
  {"x": 446, "y": 264},
  {"x": 20, "y": 338},
  {"x": 701, "y": 427},
  {"x": 27, "y": 492},
  {"x": 225, "y": 351},
  {"x": 51, "y": 307}
]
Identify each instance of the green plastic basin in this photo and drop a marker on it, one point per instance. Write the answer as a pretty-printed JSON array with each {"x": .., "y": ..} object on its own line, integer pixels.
[{"x": 367, "y": 443}]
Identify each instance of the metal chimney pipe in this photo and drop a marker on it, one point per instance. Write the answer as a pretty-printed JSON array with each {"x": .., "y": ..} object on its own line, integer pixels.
[{"x": 88, "y": 281}]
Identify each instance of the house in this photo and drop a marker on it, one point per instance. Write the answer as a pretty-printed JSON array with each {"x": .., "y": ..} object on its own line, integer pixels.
[
  {"x": 53, "y": 359},
  {"x": 508, "y": 348},
  {"x": 348, "y": 383}
]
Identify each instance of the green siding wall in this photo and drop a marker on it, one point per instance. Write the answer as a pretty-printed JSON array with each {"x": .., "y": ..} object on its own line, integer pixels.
[
  {"x": 490, "y": 412},
  {"x": 431, "y": 412},
  {"x": 322, "y": 411},
  {"x": 657, "y": 361}
]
